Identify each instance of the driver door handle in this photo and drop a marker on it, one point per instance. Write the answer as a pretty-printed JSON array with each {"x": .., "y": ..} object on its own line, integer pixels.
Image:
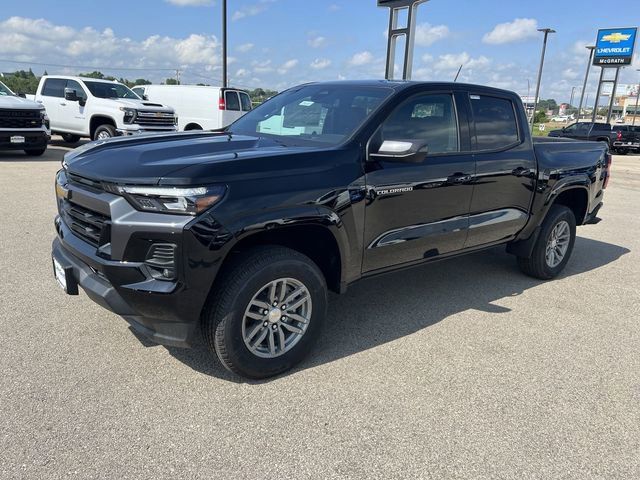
[{"x": 521, "y": 172}]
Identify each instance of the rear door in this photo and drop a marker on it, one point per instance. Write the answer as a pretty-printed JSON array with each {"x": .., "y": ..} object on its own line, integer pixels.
[
  {"x": 419, "y": 210},
  {"x": 232, "y": 110},
  {"x": 505, "y": 169},
  {"x": 245, "y": 102},
  {"x": 52, "y": 97}
]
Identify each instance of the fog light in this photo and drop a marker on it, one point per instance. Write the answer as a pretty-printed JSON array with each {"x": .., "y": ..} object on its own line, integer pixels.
[{"x": 161, "y": 261}]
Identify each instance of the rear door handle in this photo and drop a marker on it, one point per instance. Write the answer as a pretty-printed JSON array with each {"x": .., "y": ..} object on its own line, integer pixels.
[
  {"x": 459, "y": 178},
  {"x": 63, "y": 104}
]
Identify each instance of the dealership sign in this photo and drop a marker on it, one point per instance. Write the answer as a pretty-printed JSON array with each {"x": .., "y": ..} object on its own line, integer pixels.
[{"x": 614, "y": 46}]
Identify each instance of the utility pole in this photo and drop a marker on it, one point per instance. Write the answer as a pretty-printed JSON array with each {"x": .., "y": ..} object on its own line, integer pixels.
[
  {"x": 224, "y": 44},
  {"x": 178, "y": 76},
  {"x": 591, "y": 48},
  {"x": 573, "y": 89},
  {"x": 546, "y": 31},
  {"x": 635, "y": 113}
]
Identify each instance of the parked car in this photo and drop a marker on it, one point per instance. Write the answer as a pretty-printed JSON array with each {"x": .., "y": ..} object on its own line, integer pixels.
[
  {"x": 627, "y": 139},
  {"x": 240, "y": 234},
  {"x": 99, "y": 109},
  {"x": 199, "y": 107},
  {"x": 24, "y": 124},
  {"x": 599, "y": 132},
  {"x": 560, "y": 118}
]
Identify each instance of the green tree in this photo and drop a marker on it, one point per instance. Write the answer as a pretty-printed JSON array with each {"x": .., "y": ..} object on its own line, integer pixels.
[
  {"x": 540, "y": 117},
  {"x": 171, "y": 81}
]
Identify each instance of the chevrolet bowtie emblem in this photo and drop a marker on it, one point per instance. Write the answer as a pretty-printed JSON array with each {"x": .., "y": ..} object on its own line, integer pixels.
[{"x": 616, "y": 37}]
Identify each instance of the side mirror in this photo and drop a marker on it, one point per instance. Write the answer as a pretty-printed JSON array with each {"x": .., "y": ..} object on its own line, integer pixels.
[
  {"x": 22, "y": 95},
  {"x": 406, "y": 151},
  {"x": 70, "y": 94},
  {"x": 145, "y": 97}
]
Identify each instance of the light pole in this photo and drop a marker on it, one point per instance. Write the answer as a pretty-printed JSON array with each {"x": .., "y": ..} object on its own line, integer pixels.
[
  {"x": 224, "y": 43},
  {"x": 591, "y": 48},
  {"x": 635, "y": 112},
  {"x": 546, "y": 31},
  {"x": 573, "y": 89}
]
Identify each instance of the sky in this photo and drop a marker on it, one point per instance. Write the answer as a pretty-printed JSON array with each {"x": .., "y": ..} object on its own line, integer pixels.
[{"x": 279, "y": 43}]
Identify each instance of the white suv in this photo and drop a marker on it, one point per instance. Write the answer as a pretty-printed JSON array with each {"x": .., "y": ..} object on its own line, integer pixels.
[{"x": 99, "y": 109}]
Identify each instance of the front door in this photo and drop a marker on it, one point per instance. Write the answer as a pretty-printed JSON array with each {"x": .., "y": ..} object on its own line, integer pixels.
[
  {"x": 73, "y": 117},
  {"x": 419, "y": 210}
]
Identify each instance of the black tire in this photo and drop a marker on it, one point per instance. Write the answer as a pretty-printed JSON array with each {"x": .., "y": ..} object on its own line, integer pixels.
[
  {"x": 70, "y": 138},
  {"x": 35, "y": 152},
  {"x": 105, "y": 130},
  {"x": 244, "y": 278},
  {"x": 622, "y": 151},
  {"x": 536, "y": 266}
]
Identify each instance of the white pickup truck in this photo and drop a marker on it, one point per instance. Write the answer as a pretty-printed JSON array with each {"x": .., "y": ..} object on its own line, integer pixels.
[
  {"x": 99, "y": 109},
  {"x": 24, "y": 124}
]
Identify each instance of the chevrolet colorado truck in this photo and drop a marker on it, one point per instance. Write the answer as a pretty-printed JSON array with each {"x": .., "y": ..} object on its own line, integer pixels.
[
  {"x": 99, "y": 109},
  {"x": 597, "y": 132},
  {"x": 24, "y": 124},
  {"x": 240, "y": 234}
]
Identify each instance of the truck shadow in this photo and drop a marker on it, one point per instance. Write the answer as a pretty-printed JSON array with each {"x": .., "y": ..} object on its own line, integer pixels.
[
  {"x": 382, "y": 309},
  {"x": 55, "y": 151}
]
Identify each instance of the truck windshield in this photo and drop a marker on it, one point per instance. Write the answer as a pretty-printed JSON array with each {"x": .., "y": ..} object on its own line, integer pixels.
[
  {"x": 313, "y": 114},
  {"x": 110, "y": 90},
  {"x": 4, "y": 90}
]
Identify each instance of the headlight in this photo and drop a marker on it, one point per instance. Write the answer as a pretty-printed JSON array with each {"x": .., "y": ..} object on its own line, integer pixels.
[
  {"x": 45, "y": 118},
  {"x": 176, "y": 200},
  {"x": 129, "y": 114}
]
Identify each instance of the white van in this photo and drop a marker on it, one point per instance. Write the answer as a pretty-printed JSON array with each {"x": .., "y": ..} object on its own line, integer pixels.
[{"x": 197, "y": 107}]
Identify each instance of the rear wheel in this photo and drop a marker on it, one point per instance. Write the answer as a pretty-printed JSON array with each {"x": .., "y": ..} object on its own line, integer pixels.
[
  {"x": 70, "y": 138},
  {"x": 35, "y": 152},
  {"x": 622, "y": 151},
  {"x": 554, "y": 245},
  {"x": 267, "y": 313},
  {"x": 104, "y": 132}
]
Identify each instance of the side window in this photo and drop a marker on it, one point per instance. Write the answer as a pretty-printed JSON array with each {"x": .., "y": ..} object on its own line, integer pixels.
[
  {"x": 246, "y": 102},
  {"x": 54, "y": 87},
  {"x": 78, "y": 88},
  {"x": 138, "y": 91},
  {"x": 231, "y": 101},
  {"x": 571, "y": 128},
  {"x": 495, "y": 119},
  {"x": 430, "y": 118}
]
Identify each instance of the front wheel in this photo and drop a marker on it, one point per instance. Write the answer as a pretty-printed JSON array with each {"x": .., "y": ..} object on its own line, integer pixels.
[
  {"x": 104, "y": 132},
  {"x": 554, "y": 245},
  {"x": 267, "y": 313},
  {"x": 35, "y": 152},
  {"x": 70, "y": 138}
]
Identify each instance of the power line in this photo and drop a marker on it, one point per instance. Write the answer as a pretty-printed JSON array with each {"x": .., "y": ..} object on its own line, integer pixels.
[{"x": 88, "y": 66}]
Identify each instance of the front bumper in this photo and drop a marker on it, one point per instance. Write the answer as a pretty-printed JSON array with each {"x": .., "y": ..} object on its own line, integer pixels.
[
  {"x": 137, "y": 130},
  {"x": 33, "y": 139},
  {"x": 113, "y": 270}
]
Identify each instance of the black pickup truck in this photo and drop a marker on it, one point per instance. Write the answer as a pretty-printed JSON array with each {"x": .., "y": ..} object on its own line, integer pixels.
[
  {"x": 596, "y": 132},
  {"x": 627, "y": 139},
  {"x": 240, "y": 234}
]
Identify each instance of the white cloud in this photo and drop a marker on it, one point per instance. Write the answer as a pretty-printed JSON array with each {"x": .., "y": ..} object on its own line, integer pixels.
[
  {"x": 262, "y": 67},
  {"x": 317, "y": 42},
  {"x": 320, "y": 63},
  {"x": 570, "y": 74},
  {"x": 334, "y": 7},
  {"x": 518, "y": 30},
  {"x": 38, "y": 40},
  {"x": 190, "y": 3},
  {"x": 452, "y": 61},
  {"x": 286, "y": 66},
  {"x": 245, "y": 47},
  {"x": 251, "y": 10},
  {"x": 427, "y": 34},
  {"x": 362, "y": 58},
  {"x": 242, "y": 73}
]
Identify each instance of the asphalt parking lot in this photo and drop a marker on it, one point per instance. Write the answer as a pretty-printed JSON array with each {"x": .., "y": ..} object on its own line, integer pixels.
[{"x": 461, "y": 369}]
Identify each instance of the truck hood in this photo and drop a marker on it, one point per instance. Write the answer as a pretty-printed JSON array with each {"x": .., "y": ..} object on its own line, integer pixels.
[
  {"x": 142, "y": 105},
  {"x": 18, "y": 103},
  {"x": 179, "y": 158}
]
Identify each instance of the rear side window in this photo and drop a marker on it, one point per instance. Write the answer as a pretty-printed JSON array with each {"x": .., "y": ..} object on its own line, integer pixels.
[
  {"x": 54, "y": 87},
  {"x": 601, "y": 126},
  {"x": 495, "y": 120},
  {"x": 231, "y": 101},
  {"x": 246, "y": 102}
]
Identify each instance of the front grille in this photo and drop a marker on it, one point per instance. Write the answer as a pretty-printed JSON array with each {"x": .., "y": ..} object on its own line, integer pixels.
[
  {"x": 89, "y": 225},
  {"x": 20, "y": 119},
  {"x": 155, "y": 119}
]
